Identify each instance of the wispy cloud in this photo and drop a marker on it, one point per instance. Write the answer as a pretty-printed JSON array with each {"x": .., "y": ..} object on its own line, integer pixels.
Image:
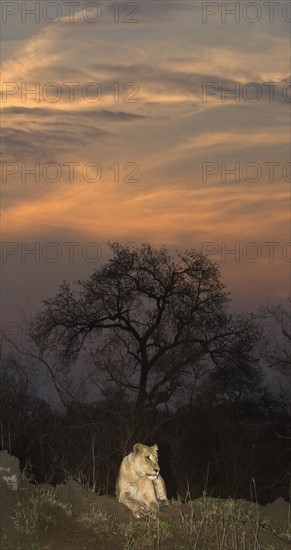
[{"x": 125, "y": 102}]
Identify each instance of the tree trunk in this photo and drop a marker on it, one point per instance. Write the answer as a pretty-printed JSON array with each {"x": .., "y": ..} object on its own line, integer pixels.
[{"x": 142, "y": 391}]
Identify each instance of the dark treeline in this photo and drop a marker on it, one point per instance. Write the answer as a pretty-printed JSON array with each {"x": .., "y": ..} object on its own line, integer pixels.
[
  {"x": 169, "y": 364},
  {"x": 223, "y": 449}
]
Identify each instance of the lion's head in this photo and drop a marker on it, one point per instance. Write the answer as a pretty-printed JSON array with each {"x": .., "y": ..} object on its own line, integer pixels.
[{"x": 145, "y": 460}]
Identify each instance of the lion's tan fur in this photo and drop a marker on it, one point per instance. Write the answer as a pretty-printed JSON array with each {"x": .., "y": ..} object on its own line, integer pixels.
[{"x": 139, "y": 485}]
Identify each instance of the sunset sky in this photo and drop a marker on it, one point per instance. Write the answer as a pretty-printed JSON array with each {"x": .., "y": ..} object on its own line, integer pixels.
[{"x": 133, "y": 137}]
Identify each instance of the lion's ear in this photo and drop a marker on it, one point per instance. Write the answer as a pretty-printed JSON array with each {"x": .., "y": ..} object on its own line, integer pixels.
[
  {"x": 155, "y": 448},
  {"x": 137, "y": 447}
]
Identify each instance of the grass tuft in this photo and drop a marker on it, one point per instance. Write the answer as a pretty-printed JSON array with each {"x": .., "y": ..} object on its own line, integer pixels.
[{"x": 203, "y": 524}]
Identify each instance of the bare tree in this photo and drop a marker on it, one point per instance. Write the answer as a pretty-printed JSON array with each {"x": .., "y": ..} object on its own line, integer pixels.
[
  {"x": 238, "y": 374},
  {"x": 144, "y": 318},
  {"x": 277, "y": 349}
]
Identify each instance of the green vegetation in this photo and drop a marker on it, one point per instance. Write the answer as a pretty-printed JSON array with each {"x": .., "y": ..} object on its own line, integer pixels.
[
  {"x": 33, "y": 514},
  {"x": 42, "y": 521}
]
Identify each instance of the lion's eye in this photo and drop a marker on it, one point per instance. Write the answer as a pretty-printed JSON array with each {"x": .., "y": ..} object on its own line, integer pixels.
[{"x": 148, "y": 457}]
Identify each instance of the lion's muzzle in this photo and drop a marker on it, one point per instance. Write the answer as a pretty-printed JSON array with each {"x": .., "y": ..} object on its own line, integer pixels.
[{"x": 153, "y": 477}]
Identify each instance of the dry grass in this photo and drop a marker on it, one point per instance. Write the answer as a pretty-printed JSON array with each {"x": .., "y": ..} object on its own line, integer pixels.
[{"x": 42, "y": 521}]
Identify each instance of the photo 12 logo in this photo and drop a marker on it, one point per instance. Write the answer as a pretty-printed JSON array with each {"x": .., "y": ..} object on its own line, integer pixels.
[
  {"x": 13, "y": 332},
  {"x": 250, "y": 92},
  {"x": 53, "y": 172},
  {"x": 50, "y": 252},
  {"x": 55, "y": 92},
  {"x": 270, "y": 11},
  {"x": 70, "y": 11},
  {"x": 250, "y": 252},
  {"x": 248, "y": 172}
]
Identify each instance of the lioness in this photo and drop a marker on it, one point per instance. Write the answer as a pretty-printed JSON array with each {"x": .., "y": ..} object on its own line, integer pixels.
[{"x": 139, "y": 485}]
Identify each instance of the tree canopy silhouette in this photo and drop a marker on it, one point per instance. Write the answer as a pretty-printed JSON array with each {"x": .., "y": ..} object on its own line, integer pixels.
[
  {"x": 277, "y": 350},
  {"x": 146, "y": 317}
]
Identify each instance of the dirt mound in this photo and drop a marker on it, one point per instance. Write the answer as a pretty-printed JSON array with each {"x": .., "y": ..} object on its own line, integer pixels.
[
  {"x": 279, "y": 509},
  {"x": 69, "y": 517}
]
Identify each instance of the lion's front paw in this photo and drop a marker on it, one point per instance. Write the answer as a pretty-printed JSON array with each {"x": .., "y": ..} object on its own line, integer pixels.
[
  {"x": 153, "y": 511},
  {"x": 165, "y": 502},
  {"x": 139, "y": 511}
]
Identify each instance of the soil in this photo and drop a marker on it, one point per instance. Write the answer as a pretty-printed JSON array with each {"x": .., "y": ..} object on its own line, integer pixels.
[{"x": 100, "y": 522}]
